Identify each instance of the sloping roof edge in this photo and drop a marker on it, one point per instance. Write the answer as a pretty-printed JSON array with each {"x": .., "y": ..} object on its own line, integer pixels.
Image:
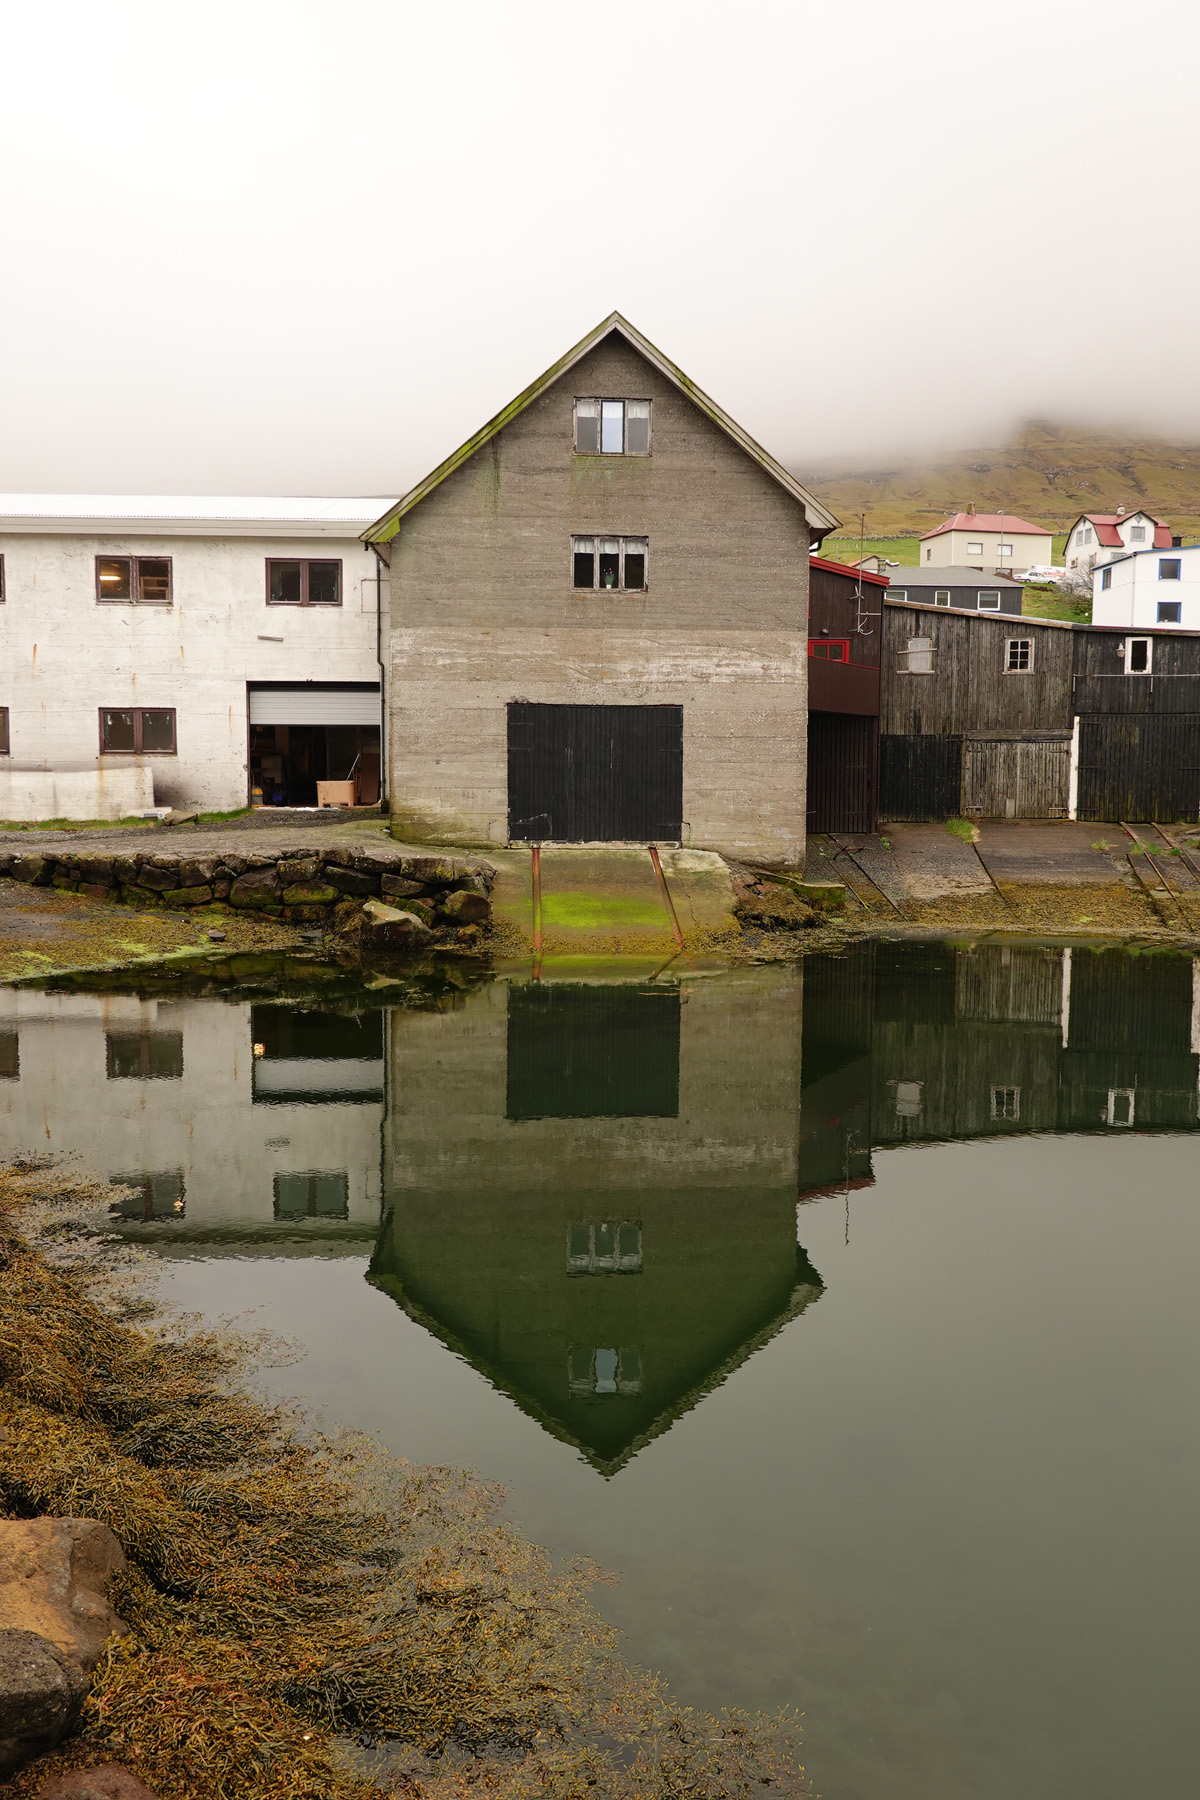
[{"x": 385, "y": 528}]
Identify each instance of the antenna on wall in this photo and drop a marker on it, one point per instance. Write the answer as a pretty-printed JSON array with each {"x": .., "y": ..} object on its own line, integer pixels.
[{"x": 861, "y": 615}]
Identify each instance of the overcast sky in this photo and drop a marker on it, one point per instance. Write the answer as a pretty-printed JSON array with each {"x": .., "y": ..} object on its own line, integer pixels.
[{"x": 297, "y": 247}]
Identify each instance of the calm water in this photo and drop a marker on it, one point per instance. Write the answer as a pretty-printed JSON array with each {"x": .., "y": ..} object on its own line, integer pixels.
[{"x": 848, "y": 1311}]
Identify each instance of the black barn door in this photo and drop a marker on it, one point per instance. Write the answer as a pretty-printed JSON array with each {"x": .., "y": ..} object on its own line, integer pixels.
[
  {"x": 843, "y": 771},
  {"x": 595, "y": 774}
]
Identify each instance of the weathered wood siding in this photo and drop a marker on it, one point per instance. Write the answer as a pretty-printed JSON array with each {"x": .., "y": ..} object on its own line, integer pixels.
[
  {"x": 843, "y": 772},
  {"x": 1017, "y": 777},
  {"x": 1139, "y": 768},
  {"x": 967, "y": 686},
  {"x": 1101, "y": 685},
  {"x": 920, "y": 777}
]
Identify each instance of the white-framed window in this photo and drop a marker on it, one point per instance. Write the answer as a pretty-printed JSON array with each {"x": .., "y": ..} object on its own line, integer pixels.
[
  {"x": 1006, "y": 1103},
  {"x": 1018, "y": 656},
  {"x": 928, "y": 553},
  {"x": 1137, "y": 534},
  {"x": 606, "y": 1247},
  {"x": 988, "y": 599},
  {"x": 1003, "y": 550},
  {"x": 897, "y": 593},
  {"x": 1138, "y": 657},
  {"x": 918, "y": 657},
  {"x": 612, "y": 427},
  {"x": 941, "y": 596},
  {"x": 1120, "y": 1106},
  {"x": 610, "y": 562},
  {"x": 974, "y": 549},
  {"x": 1085, "y": 536},
  {"x": 1106, "y": 578}
]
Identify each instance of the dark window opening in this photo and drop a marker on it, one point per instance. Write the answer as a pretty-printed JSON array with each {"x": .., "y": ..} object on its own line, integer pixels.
[
  {"x": 148, "y": 730},
  {"x": 144, "y": 1055},
  {"x": 579, "y": 1052},
  {"x": 304, "y": 583},
  {"x": 1139, "y": 656},
  {"x": 154, "y": 1197},
  {"x": 1169, "y": 612},
  {"x": 3, "y": 731},
  {"x": 2, "y": 592},
  {"x": 610, "y": 562},
  {"x": 1170, "y": 568},
  {"x": 612, "y": 427},
  {"x": 287, "y": 762},
  {"x": 10, "y": 1056},
  {"x": 144, "y": 580},
  {"x": 313, "y": 1195}
]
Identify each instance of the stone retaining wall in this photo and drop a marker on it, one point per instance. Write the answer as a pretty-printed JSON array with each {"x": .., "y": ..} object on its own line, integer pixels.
[{"x": 305, "y": 886}]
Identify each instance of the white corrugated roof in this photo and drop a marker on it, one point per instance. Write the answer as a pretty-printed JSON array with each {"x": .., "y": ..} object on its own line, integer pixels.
[{"x": 218, "y": 508}]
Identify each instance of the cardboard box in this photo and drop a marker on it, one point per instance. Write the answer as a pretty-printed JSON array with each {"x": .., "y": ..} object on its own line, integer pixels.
[{"x": 335, "y": 793}]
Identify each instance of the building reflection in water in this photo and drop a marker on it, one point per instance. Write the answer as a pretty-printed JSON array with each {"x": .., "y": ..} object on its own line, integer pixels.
[{"x": 592, "y": 1190}]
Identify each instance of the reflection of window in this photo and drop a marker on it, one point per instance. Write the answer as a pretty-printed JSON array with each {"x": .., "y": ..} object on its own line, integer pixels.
[
  {"x": 583, "y": 1052},
  {"x": 612, "y": 427},
  {"x": 313, "y": 1195},
  {"x": 604, "y": 1371},
  {"x": 908, "y": 1099},
  {"x": 144, "y": 580},
  {"x": 10, "y": 1056},
  {"x": 303, "y": 583},
  {"x": 1006, "y": 1103},
  {"x": 605, "y": 1248},
  {"x": 159, "y": 1196},
  {"x": 144, "y": 1055},
  {"x": 1120, "y": 1106},
  {"x": 144, "y": 730},
  {"x": 616, "y": 562},
  {"x": 313, "y": 1057}
]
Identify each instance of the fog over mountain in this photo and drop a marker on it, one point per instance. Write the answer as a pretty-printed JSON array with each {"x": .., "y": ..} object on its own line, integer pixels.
[{"x": 268, "y": 247}]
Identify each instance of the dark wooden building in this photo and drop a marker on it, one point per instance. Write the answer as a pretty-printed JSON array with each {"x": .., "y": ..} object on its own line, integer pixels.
[
  {"x": 1136, "y": 700},
  {"x": 845, "y": 628}
]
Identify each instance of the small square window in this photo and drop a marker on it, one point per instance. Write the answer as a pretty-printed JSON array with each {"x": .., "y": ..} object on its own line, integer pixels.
[
  {"x": 1018, "y": 655},
  {"x": 897, "y": 593},
  {"x": 1170, "y": 568},
  {"x": 1137, "y": 534},
  {"x": 974, "y": 549},
  {"x": 1169, "y": 612},
  {"x": 919, "y": 657},
  {"x": 143, "y": 580},
  {"x": 1003, "y": 550},
  {"x": 618, "y": 564},
  {"x": 988, "y": 600},
  {"x": 1106, "y": 578},
  {"x": 1006, "y": 1103},
  {"x": 941, "y": 596},
  {"x": 114, "y": 577}
]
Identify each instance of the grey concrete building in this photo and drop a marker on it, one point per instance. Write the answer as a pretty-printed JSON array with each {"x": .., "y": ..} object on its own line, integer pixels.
[{"x": 599, "y": 611}]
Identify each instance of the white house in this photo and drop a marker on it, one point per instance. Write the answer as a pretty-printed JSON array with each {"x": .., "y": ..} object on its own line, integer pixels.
[
  {"x": 998, "y": 541},
  {"x": 1149, "y": 587},
  {"x": 1097, "y": 538},
  {"x": 184, "y": 651}
]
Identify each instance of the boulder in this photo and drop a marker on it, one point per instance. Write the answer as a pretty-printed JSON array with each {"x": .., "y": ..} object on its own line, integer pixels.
[
  {"x": 197, "y": 872},
  {"x": 387, "y": 928},
  {"x": 108, "y": 1781},
  {"x": 34, "y": 870},
  {"x": 298, "y": 869},
  {"x": 54, "y": 1576},
  {"x": 95, "y": 890},
  {"x": 310, "y": 893},
  {"x": 97, "y": 868},
  {"x": 401, "y": 886},
  {"x": 350, "y": 881},
  {"x": 125, "y": 870},
  {"x": 192, "y": 896},
  {"x": 41, "y": 1694},
  {"x": 158, "y": 880},
  {"x": 257, "y": 887},
  {"x": 465, "y": 907}
]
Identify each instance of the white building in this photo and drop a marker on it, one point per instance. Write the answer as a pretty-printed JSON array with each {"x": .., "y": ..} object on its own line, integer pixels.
[
  {"x": 1097, "y": 538},
  {"x": 1000, "y": 542},
  {"x": 1149, "y": 587},
  {"x": 181, "y": 651}
]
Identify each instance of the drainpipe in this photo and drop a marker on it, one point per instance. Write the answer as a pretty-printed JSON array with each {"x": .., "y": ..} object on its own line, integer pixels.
[{"x": 383, "y": 716}]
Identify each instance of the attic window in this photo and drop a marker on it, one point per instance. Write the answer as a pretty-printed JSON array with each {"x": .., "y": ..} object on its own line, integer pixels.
[
  {"x": 612, "y": 427},
  {"x": 1137, "y": 534},
  {"x": 604, "y": 562}
]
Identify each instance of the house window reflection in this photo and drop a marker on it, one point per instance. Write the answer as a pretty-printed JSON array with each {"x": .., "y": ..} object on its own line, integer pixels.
[
  {"x": 313, "y": 1194},
  {"x": 605, "y": 1248},
  {"x": 602, "y": 1370},
  {"x": 10, "y": 1056},
  {"x": 152, "y": 1197},
  {"x": 144, "y": 1055}
]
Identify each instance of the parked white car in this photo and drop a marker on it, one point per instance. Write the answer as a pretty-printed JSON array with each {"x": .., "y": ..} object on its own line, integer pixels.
[{"x": 1045, "y": 572}]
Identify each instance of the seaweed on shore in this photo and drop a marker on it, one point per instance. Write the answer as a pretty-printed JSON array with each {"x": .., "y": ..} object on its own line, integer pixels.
[{"x": 312, "y": 1619}]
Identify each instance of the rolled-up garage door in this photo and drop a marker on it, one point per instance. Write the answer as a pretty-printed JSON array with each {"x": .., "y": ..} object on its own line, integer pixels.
[{"x": 312, "y": 703}]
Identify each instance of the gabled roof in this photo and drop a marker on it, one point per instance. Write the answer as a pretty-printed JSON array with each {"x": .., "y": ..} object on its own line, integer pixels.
[
  {"x": 992, "y": 522},
  {"x": 386, "y": 527},
  {"x": 1105, "y": 526}
]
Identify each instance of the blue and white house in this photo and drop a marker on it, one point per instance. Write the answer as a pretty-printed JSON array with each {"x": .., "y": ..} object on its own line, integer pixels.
[{"x": 1149, "y": 587}]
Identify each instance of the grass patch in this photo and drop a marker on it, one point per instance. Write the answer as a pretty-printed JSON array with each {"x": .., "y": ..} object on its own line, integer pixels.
[
  {"x": 961, "y": 828},
  {"x": 222, "y": 818},
  {"x": 289, "y": 1590},
  {"x": 903, "y": 550},
  {"x": 134, "y": 823},
  {"x": 1053, "y": 603}
]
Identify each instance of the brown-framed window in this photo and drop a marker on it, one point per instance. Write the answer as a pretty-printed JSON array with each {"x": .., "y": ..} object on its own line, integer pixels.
[
  {"x": 612, "y": 427},
  {"x": 296, "y": 582},
  {"x": 3, "y": 731},
  {"x": 616, "y": 562},
  {"x": 143, "y": 1055},
  {"x": 135, "y": 580},
  {"x": 137, "y": 730}
]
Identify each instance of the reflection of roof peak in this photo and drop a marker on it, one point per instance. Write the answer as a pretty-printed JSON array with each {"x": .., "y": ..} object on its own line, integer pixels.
[{"x": 803, "y": 1294}]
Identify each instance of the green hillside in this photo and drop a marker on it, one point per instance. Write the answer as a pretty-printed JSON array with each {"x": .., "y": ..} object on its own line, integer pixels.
[{"x": 1048, "y": 475}]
